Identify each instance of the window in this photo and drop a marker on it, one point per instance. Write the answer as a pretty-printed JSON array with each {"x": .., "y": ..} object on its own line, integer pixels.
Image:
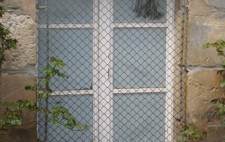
[{"x": 119, "y": 58}]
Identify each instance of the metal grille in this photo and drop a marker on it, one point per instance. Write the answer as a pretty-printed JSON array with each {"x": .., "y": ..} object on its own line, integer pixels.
[{"x": 123, "y": 60}]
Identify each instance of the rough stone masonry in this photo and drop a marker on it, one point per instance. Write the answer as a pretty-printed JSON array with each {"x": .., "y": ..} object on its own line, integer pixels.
[
  {"x": 206, "y": 24},
  {"x": 20, "y": 63},
  {"x": 19, "y": 68}
]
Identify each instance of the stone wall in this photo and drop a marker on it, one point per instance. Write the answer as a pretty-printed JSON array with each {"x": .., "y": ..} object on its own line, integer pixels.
[
  {"x": 23, "y": 29},
  {"x": 19, "y": 67},
  {"x": 206, "y": 24}
]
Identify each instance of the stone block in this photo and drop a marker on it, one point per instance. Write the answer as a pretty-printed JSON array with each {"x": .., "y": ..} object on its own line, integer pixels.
[
  {"x": 206, "y": 24},
  {"x": 22, "y": 7},
  {"x": 201, "y": 31},
  {"x": 207, "y": 8},
  {"x": 199, "y": 7},
  {"x": 202, "y": 88},
  {"x": 12, "y": 86},
  {"x": 23, "y": 28},
  {"x": 12, "y": 89},
  {"x": 20, "y": 134},
  {"x": 215, "y": 134}
]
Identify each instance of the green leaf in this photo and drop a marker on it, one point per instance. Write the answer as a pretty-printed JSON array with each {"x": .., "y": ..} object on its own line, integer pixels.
[
  {"x": 2, "y": 58},
  {"x": 28, "y": 104},
  {"x": 54, "y": 121},
  {"x": 43, "y": 110},
  {"x": 33, "y": 87},
  {"x": 222, "y": 84},
  {"x": 27, "y": 87},
  {"x": 42, "y": 95},
  {"x": 48, "y": 91},
  {"x": 58, "y": 114},
  {"x": 45, "y": 80},
  {"x": 190, "y": 131},
  {"x": 48, "y": 71},
  {"x": 15, "y": 122},
  {"x": 63, "y": 75},
  {"x": 223, "y": 122},
  {"x": 10, "y": 43},
  {"x": 57, "y": 62},
  {"x": 219, "y": 45},
  {"x": 4, "y": 32},
  {"x": 2, "y": 122},
  {"x": 223, "y": 63},
  {"x": 182, "y": 138},
  {"x": 207, "y": 45},
  {"x": 220, "y": 52}
]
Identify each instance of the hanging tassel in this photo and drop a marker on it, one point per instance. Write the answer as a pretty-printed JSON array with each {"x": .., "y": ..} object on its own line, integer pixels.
[
  {"x": 139, "y": 7},
  {"x": 147, "y": 9}
]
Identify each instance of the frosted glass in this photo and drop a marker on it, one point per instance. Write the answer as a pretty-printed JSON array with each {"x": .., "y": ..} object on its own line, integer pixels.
[
  {"x": 131, "y": 11},
  {"x": 139, "y": 117},
  {"x": 139, "y": 57},
  {"x": 74, "y": 47},
  {"x": 67, "y": 11},
  {"x": 82, "y": 109}
]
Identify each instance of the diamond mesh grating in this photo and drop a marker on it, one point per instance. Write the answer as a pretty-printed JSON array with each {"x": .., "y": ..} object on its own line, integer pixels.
[{"x": 123, "y": 60}]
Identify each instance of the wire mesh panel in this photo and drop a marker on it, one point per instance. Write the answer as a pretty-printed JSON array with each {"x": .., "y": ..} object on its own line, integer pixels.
[{"x": 123, "y": 64}]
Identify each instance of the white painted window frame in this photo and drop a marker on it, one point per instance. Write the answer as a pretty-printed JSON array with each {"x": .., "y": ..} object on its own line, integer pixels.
[{"x": 103, "y": 67}]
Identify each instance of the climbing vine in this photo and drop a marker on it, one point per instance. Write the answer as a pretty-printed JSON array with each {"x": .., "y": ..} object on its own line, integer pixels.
[
  {"x": 190, "y": 131},
  {"x": 11, "y": 113},
  {"x": 219, "y": 103},
  {"x": 6, "y": 41},
  {"x": 58, "y": 115}
]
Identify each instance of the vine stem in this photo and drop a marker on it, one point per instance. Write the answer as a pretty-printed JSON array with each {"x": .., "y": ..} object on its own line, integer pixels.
[{"x": 46, "y": 115}]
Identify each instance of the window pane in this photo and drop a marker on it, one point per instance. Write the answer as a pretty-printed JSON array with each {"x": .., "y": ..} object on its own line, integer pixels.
[
  {"x": 42, "y": 51},
  {"x": 41, "y": 16},
  {"x": 82, "y": 109},
  {"x": 139, "y": 58},
  {"x": 139, "y": 117},
  {"x": 69, "y": 11},
  {"x": 74, "y": 47},
  {"x": 139, "y": 11},
  {"x": 41, "y": 11}
]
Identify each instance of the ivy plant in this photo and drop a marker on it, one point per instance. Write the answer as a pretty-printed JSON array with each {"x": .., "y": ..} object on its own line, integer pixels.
[
  {"x": 11, "y": 114},
  {"x": 58, "y": 115},
  {"x": 190, "y": 132},
  {"x": 219, "y": 103},
  {"x": 6, "y": 41}
]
